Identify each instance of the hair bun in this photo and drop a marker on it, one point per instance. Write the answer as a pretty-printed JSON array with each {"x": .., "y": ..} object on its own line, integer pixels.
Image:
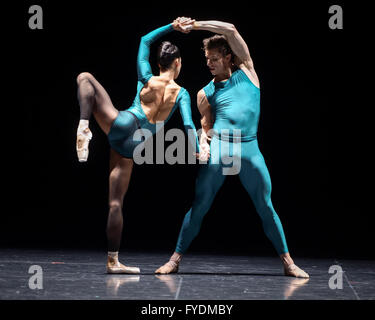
[
  {"x": 167, "y": 52},
  {"x": 166, "y": 44},
  {"x": 166, "y": 48}
]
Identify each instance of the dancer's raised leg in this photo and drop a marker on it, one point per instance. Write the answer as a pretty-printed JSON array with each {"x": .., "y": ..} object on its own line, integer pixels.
[
  {"x": 119, "y": 178},
  {"x": 93, "y": 99}
]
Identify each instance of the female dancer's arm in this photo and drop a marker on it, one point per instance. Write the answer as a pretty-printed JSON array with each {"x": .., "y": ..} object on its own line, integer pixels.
[
  {"x": 185, "y": 111},
  {"x": 143, "y": 65}
]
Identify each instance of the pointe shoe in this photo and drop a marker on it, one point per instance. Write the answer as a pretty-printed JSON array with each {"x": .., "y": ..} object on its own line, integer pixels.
[
  {"x": 293, "y": 271},
  {"x": 120, "y": 268},
  {"x": 170, "y": 267},
  {"x": 82, "y": 146}
]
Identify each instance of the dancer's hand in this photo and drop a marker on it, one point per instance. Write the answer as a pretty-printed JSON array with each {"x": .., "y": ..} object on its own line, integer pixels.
[
  {"x": 204, "y": 153},
  {"x": 183, "y": 24}
]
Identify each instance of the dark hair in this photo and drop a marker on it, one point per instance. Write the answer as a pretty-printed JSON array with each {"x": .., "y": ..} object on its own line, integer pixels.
[
  {"x": 219, "y": 43},
  {"x": 167, "y": 52}
]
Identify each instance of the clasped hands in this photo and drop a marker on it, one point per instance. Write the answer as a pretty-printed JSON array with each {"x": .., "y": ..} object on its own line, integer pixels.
[{"x": 183, "y": 24}]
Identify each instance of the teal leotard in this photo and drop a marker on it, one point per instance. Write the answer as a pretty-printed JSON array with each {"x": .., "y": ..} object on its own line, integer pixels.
[
  {"x": 235, "y": 104},
  {"x": 128, "y": 121}
]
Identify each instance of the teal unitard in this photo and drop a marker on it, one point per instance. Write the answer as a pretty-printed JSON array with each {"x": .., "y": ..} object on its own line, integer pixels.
[
  {"x": 121, "y": 134},
  {"x": 235, "y": 104}
]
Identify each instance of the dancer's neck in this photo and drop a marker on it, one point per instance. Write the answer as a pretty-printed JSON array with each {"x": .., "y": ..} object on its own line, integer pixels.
[
  {"x": 223, "y": 76},
  {"x": 168, "y": 74}
]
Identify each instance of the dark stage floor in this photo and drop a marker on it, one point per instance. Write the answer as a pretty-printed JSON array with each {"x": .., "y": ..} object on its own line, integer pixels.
[{"x": 69, "y": 274}]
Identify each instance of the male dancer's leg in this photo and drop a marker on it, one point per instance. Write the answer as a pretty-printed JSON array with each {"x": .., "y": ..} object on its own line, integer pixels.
[
  {"x": 93, "y": 99},
  {"x": 119, "y": 178},
  {"x": 255, "y": 178},
  {"x": 209, "y": 180}
]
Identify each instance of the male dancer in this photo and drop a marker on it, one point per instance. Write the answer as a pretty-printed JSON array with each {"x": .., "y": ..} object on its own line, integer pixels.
[{"x": 230, "y": 101}]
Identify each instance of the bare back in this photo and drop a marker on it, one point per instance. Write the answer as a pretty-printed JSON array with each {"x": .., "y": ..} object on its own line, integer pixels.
[{"x": 158, "y": 97}]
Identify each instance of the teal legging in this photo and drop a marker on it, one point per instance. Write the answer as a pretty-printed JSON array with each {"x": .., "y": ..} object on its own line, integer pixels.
[{"x": 255, "y": 178}]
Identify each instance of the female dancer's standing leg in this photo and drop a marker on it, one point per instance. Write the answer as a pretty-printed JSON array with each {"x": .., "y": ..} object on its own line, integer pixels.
[{"x": 93, "y": 99}]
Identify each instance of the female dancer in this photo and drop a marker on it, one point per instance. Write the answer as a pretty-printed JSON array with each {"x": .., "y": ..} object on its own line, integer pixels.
[{"x": 156, "y": 100}]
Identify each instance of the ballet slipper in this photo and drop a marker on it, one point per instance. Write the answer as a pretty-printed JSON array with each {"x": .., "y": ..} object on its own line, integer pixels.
[
  {"x": 83, "y": 138},
  {"x": 170, "y": 267},
  {"x": 116, "y": 267},
  {"x": 293, "y": 271}
]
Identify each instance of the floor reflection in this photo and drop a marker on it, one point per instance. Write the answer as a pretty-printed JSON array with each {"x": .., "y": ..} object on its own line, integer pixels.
[
  {"x": 293, "y": 285},
  {"x": 172, "y": 282},
  {"x": 169, "y": 281},
  {"x": 115, "y": 282}
]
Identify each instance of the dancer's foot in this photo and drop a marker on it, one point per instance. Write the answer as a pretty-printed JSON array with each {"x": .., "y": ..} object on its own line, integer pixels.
[
  {"x": 114, "y": 266},
  {"x": 293, "y": 271},
  {"x": 84, "y": 136},
  {"x": 170, "y": 267}
]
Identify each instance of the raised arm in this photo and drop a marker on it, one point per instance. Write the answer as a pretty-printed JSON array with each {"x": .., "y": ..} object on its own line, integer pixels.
[
  {"x": 143, "y": 65},
  {"x": 235, "y": 41}
]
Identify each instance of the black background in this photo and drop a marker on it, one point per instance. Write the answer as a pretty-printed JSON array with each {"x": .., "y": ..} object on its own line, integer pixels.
[{"x": 315, "y": 96}]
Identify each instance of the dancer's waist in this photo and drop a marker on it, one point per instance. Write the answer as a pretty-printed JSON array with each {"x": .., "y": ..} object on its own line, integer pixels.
[
  {"x": 141, "y": 119},
  {"x": 234, "y": 136},
  {"x": 135, "y": 118}
]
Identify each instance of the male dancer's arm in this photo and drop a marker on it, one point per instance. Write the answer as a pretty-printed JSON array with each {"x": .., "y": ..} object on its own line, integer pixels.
[
  {"x": 235, "y": 41},
  {"x": 206, "y": 121}
]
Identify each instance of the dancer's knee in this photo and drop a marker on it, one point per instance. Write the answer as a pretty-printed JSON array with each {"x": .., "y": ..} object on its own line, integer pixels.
[
  {"x": 115, "y": 206},
  {"x": 84, "y": 76},
  {"x": 114, "y": 223},
  {"x": 202, "y": 203},
  {"x": 196, "y": 220},
  {"x": 85, "y": 86},
  {"x": 86, "y": 89},
  {"x": 198, "y": 213}
]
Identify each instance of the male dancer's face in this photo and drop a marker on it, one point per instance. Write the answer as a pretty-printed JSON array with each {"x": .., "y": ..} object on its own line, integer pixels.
[{"x": 216, "y": 62}]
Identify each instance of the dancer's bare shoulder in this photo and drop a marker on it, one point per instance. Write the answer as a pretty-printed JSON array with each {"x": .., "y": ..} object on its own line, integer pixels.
[
  {"x": 250, "y": 72},
  {"x": 171, "y": 92},
  {"x": 158, "y": 97},
  {"x": 158, "y": 86},
  {"x": 153, "y": 90}
]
